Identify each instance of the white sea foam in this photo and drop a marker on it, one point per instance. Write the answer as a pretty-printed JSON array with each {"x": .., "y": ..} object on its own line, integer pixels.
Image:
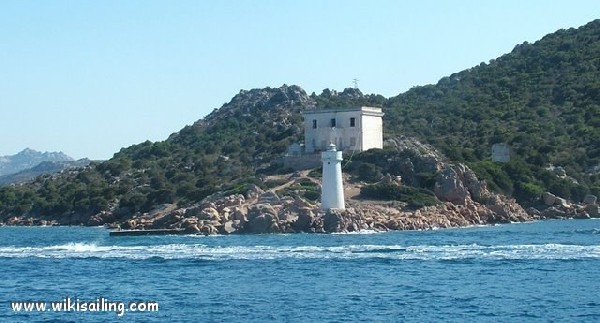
[
  {"x": 399, "y": 252},
  {"x": 358, "y": 232}
]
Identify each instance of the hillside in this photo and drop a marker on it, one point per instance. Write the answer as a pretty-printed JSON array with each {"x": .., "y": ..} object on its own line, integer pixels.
[
  {"x": 222, "y": 152},
  {"x": 543, "y": 99}
]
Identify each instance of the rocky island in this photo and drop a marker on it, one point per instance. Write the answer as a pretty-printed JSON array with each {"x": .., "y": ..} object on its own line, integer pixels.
[
  {"x": 461, "y": 200},
  {"x": 224, "y": 173}
]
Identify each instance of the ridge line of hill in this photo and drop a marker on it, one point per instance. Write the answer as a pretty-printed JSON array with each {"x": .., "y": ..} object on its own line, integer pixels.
[{"x": 542, "y": 100}]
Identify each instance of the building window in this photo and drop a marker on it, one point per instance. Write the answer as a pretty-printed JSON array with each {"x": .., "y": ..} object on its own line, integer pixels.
[
  {"x": 352, "y": 122},
  {"x": 352, "y": 141},
  {"x": 314, "y": 124},
  {"x": 333, "y": 122}
]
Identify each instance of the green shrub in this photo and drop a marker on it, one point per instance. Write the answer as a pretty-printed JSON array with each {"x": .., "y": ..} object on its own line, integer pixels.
[
  {"x": 312, "y": 195},
  {"x": 316, "y": 173},
  {"x": 369, "y": 172},
  {"x": 494, "y": 175},
  {"x": 414, "y": 197},
  {"x": 528, "y": 192},
  {"x": 275, "y": 182}
]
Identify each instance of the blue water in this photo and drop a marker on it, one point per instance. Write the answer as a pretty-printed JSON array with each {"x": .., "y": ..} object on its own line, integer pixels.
[{"x": 541, "y": 271}]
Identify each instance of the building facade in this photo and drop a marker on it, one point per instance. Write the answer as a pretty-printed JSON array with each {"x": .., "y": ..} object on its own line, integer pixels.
[{"x": 356, "y": 129}]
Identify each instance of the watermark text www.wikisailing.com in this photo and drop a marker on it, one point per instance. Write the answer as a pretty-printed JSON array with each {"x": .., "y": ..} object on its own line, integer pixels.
[{"x": 69, "y": 304}]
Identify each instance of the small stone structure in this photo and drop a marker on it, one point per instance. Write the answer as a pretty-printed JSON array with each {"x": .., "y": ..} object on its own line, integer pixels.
[{"x": 501, "y": 153}]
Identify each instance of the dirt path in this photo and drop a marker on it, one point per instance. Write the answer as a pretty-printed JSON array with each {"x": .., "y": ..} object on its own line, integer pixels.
[{"x": 301, "y": 174}]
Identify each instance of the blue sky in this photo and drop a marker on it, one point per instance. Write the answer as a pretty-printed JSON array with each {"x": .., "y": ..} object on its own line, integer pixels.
[{"x": 90, "y": 77}]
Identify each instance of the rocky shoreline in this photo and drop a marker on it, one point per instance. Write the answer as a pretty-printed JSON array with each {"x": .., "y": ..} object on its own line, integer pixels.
[{"x": 464, "y": 201}]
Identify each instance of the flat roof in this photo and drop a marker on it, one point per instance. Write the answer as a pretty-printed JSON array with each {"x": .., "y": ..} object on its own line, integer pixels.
[{"x": 368, "y": 110}]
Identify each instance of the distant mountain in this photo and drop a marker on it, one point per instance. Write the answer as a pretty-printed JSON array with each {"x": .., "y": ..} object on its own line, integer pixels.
[
  {"x": 43, "y": 168},
  {"x": 28, "y": 158}
]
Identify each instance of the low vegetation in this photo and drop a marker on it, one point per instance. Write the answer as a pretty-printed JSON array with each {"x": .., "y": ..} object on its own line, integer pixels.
[{"x": 542, "y": 99}]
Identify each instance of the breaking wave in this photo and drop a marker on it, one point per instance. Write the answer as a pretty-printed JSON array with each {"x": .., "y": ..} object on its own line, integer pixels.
[{"x": 348, "y": 252}]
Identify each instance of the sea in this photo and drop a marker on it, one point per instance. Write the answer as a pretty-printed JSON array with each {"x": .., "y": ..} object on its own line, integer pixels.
[{"x": 546, "y": 271}]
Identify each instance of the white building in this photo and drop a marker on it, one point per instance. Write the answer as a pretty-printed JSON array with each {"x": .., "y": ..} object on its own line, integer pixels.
[{"x": 348, "y": 129}]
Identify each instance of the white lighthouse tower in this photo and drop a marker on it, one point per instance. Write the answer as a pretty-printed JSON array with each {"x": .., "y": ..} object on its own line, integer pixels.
[{"x": 332, "y": 190}]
